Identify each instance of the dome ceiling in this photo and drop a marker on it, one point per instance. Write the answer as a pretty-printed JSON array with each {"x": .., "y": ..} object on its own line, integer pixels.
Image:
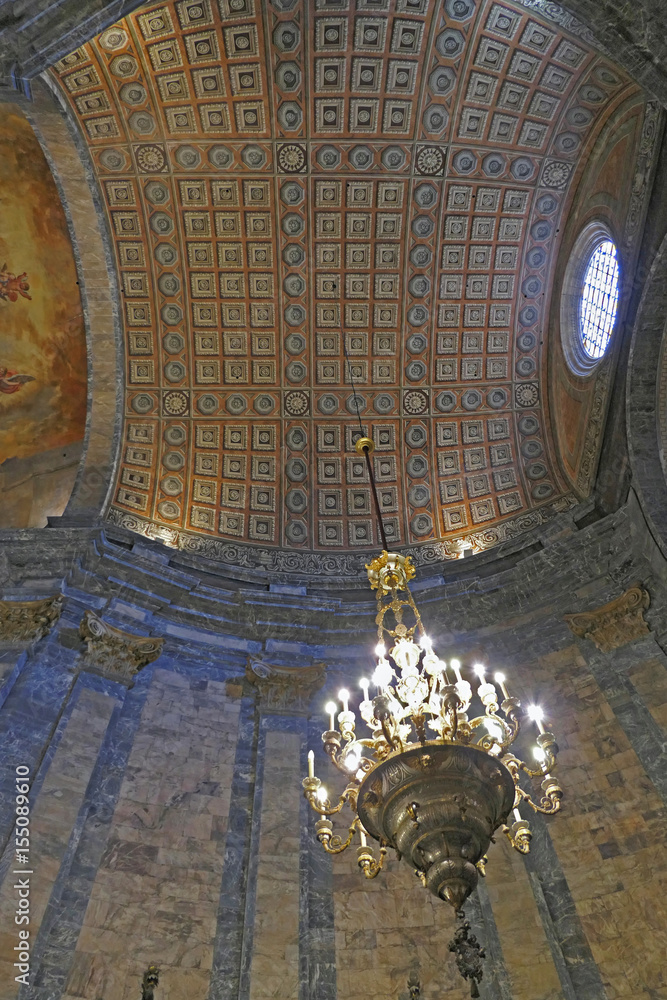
[{"x": 306, "y": 195}]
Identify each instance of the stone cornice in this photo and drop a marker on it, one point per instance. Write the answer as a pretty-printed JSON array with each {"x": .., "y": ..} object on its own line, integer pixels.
[{"x": 336, "y": 566}]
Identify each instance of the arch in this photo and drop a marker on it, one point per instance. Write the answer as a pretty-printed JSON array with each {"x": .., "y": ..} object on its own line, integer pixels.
[{"x": 68, "y": 161}]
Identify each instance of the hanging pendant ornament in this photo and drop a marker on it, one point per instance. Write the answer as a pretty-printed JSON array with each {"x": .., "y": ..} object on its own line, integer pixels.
[
  {"x": 414, "y": 986},
  {"x": 149, "y": 982},
  {"x": 469, "y": 953}
]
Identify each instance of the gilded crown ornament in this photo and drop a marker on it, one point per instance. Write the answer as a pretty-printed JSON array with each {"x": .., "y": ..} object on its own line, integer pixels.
[{"x": 434, "y": 776}]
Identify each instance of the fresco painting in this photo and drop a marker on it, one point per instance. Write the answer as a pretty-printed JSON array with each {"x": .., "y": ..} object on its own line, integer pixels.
[{"x": 43, "y": 376}]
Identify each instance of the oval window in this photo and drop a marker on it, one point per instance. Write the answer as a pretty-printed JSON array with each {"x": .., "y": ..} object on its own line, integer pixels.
[{"x": 599, "y": 300}]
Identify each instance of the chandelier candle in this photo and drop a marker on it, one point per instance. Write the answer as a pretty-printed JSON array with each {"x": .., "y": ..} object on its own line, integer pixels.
[{"x": 434, "y": 775}]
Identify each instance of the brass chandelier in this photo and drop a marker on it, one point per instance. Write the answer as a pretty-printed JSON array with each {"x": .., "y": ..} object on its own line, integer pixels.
[{"x": 434, "y": 776}]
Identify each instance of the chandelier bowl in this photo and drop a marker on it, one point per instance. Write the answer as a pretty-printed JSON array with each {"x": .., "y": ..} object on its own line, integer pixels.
[{"x": 438, "y": 805}]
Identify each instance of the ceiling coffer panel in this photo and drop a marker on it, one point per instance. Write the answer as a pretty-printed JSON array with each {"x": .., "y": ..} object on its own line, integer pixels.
[{"x": 334, "y": 218}]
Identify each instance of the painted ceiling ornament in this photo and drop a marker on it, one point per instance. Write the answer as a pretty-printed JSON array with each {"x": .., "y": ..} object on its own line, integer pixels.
[
  {"x": 113, "y": 39},
  {"x": 527, "y": 394},
  {"x": 292, "y": 158},
  {"x": 13, "y": 285},
  {"x": 296, "y": 404},
  {"x": 151, "y": 159},
  {"x": 175, "y": 403},
  {"x": 11, "y": 381},
  {"x": 556, "y": 174}
]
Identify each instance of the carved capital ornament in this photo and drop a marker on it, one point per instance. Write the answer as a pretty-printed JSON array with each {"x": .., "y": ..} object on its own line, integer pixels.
[
  {"x": 284, "y": 689},
  {"x": 114, "y": 653},
  {"x": 614, "y": 624},
  {"x": 25, "y": 621}
]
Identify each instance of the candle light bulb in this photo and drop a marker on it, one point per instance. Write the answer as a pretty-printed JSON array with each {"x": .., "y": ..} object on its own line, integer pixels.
[
  {"x": 425, "y": 642},
  {"x": 311, "y": 764},
  {"x": 382, "y": 674},
  {"x": 536, "y": 714},
  {"x": 344, "y": 696},
  {"x": 494, "y": 729},
  {"x": 380, "y": 649},
  {"x": 330, "y": 708},
  {"x": 539, "y": 755},
  {"x": 362, "y": 836},
  {"x": 456, "y": 667},
  {"x": 480, "y": 670},
  {"x": 517, "y": 816},
  {"x": 500, "y": 679},
  {"x": 322, "y": 798},
  {"x": 363, "y": 684}
]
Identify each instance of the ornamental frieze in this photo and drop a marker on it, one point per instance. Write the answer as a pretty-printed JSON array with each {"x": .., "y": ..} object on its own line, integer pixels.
[{"x": 114, "y": 653}]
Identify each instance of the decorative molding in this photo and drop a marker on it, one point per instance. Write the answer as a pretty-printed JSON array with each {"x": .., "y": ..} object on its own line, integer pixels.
[
  {"x": 594, "y": 429},
  {"x": 616, "y": 623},
  {"x": 25, "y": 621},
  {"x": 285, "y": 689},
  {"x": 114, "y": 653},
  {"x": 553, "y": 12},
  {"x": 333, "y": 565},
  {"x": 641, "y": 183}
]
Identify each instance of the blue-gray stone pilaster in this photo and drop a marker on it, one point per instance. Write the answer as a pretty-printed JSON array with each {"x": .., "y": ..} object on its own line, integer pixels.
[
  {"x": 317, "y": 947},
  {"x": 63, "y": 919},
  {"x": 228, "y": 949}
]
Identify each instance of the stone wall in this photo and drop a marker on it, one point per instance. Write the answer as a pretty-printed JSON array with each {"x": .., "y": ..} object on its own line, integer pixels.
[{"x": 167, "y": 817}]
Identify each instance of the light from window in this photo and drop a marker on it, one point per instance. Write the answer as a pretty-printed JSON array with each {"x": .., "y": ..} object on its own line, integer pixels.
[{"x": 599, "y": 300}]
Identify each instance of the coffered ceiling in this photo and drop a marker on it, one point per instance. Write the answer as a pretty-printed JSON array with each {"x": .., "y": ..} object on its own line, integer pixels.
[{"x": 307, "y": 194}]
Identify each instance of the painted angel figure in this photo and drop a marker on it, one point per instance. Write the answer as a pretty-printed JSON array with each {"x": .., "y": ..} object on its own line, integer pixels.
[
  {"x": 13, "y": 285},
  {"x": 12, "y": 381}
]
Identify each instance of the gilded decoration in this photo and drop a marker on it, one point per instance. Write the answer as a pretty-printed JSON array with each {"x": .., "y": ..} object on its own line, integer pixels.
[
  {"x": 367, "y": 255},
  {"x": 25, "y": 621},
  {"x": 285, "y": 689},
  {"x": 616, "y": 623},
  {"x": 114, "y": 653}
]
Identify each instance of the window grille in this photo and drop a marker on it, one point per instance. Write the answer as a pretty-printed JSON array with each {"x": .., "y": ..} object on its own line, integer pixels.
[{"x": 599, "y": 300}]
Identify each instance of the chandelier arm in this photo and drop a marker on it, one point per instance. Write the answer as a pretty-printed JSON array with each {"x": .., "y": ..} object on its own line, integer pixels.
[
  {"x": 519, "y": 839},
  {"x": 396, "y": 743},
  {"x": 369, "y": 866},
  {"x": 333, "y": 844},
  {"x": 549, "y": 804},
  {"x": 540, "y": 772},
  {"x": 321, "y": 807}
]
